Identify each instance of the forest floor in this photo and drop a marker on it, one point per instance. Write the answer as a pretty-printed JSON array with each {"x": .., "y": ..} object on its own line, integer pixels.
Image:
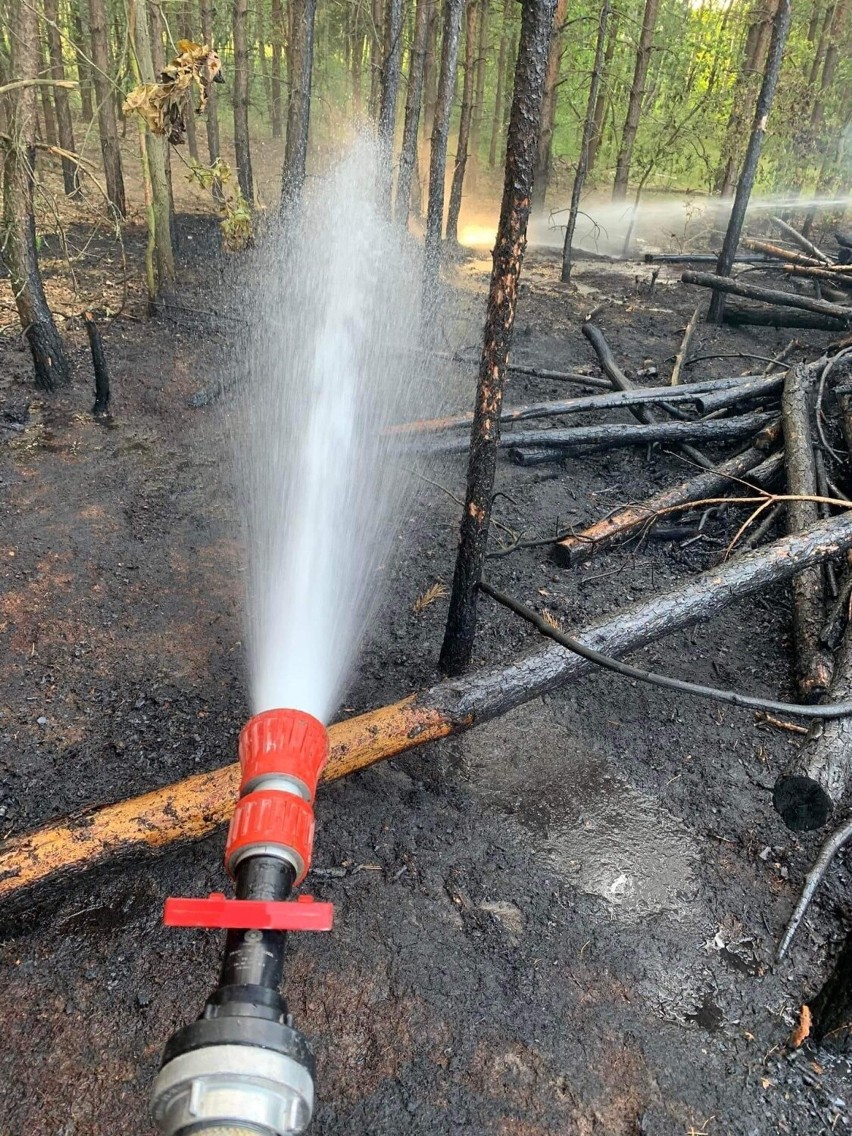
[{"x": 560, "y": 923}]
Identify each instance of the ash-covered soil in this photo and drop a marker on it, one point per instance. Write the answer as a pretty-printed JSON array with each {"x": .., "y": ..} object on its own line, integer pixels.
[{"x": 560, "y": 923}]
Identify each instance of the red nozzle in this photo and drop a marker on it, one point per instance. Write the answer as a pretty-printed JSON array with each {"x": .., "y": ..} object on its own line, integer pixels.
[{"x": 282, "y": 753}]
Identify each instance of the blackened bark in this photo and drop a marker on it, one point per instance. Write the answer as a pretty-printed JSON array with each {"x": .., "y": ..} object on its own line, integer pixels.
[
  {"x": 242, "y": 147},
  {"x": 586, "y": 143},
  {"x": 18, "y": 237},
  {"x": 64, "y": 125},
  {"x": 544, "y": 151},
  {"x": 102, "y": 71},
  {"x": 99, "y": 365},
  {"x": 440, "y": 137},
  {"x": 780, "y": 28},
  {"x": 300, "y": 66},
  {"x": 634, "y": 105},
  {"x": 768, "y": 295},
  {"x": 471, "y": 14},
  {"x": 536, "y": 26},
  {"x": 408, "y": 154},
  {"x": 832, "y": 1007}
]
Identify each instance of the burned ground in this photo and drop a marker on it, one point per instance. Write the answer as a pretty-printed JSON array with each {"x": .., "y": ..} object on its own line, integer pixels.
[{"x": 562, "y": 922}]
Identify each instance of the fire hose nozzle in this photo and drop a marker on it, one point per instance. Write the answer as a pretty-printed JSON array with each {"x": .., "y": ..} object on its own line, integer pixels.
[{"x": 242, "y": 1069}]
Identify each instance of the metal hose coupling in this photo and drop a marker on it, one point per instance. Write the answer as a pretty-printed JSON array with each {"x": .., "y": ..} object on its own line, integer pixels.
[{"x": 242, "y": 1069}]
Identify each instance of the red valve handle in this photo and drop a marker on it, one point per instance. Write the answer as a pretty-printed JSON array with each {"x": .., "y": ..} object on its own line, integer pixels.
[{"x": 302, "y": 914}]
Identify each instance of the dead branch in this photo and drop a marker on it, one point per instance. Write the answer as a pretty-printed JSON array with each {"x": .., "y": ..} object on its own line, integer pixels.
[
  {"x": 686, "y": 343},
  {"x": 781, "y": 317},
  {"x": 768, "y": 295},
  {"x": 798, "y": 239},
  {"x": 191, "y": 809},
  {"x": 813, "y": 661},
  {"x": 779, "y": 253}
]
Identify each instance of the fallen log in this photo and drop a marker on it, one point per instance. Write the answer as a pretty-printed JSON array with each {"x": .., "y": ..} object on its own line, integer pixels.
[
  {"x": 813, "y": 661},
  {"x": 811, "y": 786},
  {"x": 721, "y": 393},
  {"x": 768, "y": 295},
  {"x": 33, "y": 864},
  {"x": 560, "y": 376},
  {"x": 832, "y": 1007},
  {"x": 781, "y": 317},
  {"x": 611, "y": 435},
  {"x": 802, "y": 241},
  {"x": 751, "y": 465},
  {"x": 840, "y": 280},
  {"x": 776, "y": 252},
  {"x": 757, "y": 388}
]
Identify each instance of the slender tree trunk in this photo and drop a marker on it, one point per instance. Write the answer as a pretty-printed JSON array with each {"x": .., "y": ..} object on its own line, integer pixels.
[
  {"x": 430, "y": 68},
  {"x": 470, "y": 41},
  {"x": 498, "y": 120},
  {"x": 260, "y": 39},
  {"x": 242, "y": 148},
  {"x": 47, "y": 108},
  {"x": 300, "y": 65},
  {"x": 829, "y": 67},
  {"x": 81, "y": 50},
  {"x": 391, "y": 69},
  {"x": 634, "y": 104},
  {"x": 157, "y": 28},
  {"x": 64, "y": 125},
  {"x": 102, "y": 70},
  {"x": 781, "y": 26},
  {"x": 536, "y": 26},
  {"x": 187, "y": 31},
  {"x": 376, "y": 53},
  {"x": 544, "y": 154},
  {"x": 155, "y": 155},
  {"x": 440, "y": 138},
  {"x": 212, "y": 113},
  {"x": 277, "y": 35},
  {"x": 479, "y": 97},
  {"x": 600, "y": 102},
  {"x": 585, "y": 145},
  {"x": 408, "y": 154},
  {"x": 18, "y": 237}
]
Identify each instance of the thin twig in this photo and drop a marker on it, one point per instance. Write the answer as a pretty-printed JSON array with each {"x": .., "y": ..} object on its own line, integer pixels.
[{"x": 812, "y": 881}]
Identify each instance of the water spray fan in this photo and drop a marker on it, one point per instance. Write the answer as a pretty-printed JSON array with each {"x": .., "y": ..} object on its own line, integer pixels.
[{"x": 242, "y": 1069}]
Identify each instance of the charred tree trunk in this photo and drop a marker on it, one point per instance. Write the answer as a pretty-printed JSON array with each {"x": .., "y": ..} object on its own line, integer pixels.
[
  {"x": 544, "y": 152},
  {"x": 600, "y": 102},
  {"x": 471, "y": 14},
  {"x": 440, "y": 137},
  {"x": 408, "y": 154},
  {"x": 300, "y": 68},
  {"x": 99, "y": 366},
  {"x": 832, "y": 1007},
  {"x": 242, "y": 148},
  {"x": 212, "y": 115},
  {"x": 277, "y": 36},
  {"x": 536, "y": 27},
  {"x": 160, "y": 213},
  {"x": 634, "y": 104},
  {"x": 64, "y": 125},
  {"x": 81, "y": 53},
  {"x": 18, "y": 244},
  {"x": 33, "y": 863},
  {"x": 102, "y": 71},
  {"x": 585, "y": 145},
  {"x": 780, "y": 28},
  {"x": 498, "y": 120}
]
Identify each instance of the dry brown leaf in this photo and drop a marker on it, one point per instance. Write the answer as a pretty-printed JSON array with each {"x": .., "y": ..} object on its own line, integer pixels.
[
  {"x": 803, "y": 1029},
  {"x": 550, "y": 618},
  {"x": 429, "y": 596}
]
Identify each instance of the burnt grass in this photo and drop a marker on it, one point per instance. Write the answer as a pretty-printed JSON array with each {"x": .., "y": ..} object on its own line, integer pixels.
[{"x": 560, "y": 923}]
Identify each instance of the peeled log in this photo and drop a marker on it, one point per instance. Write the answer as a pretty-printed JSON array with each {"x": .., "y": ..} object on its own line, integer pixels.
[{"x": 32, "y": 865}]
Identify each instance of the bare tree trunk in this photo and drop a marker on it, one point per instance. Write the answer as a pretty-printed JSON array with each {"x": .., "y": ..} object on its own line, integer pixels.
[
  {"x": 212, "y": 113},
  {"x": 829, "y": 67},
  {"x": 300, "y": 66},
  {"x": 430, "y": 68},
  {"x": 277, "y": 34},
  {"x": 18, "y": 243},
  {"x": 391, "y": 70},
  {"x": 781, "y": 26},
  {"x": 440, "y": 138},
  {"x": 187, "y": 31},
  {"x": 634, "y": 105},
  {"x": 544, "y": 152},
  {"x": 260, "y": 41},
  {"x": 47, "y": 108},
  {"x": 242, "y": 148},
  {"x": 470, "y": 41},
  {"x": 585, "y": 145},
  {"x": 600, "y": 102},
  {"x": 408, "y": 154},
  {"x": 64, "y": 125},
  {"x": 536, "y": 27},
  {"x": 107, "y": 127},
  {"x": 81, "y": 51},
  {"x": 155, "y": 154},
  {"x": 498, "y": 120},
  {"x": 479, "y": 97},
  {"x": 376, "y": 53}
]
